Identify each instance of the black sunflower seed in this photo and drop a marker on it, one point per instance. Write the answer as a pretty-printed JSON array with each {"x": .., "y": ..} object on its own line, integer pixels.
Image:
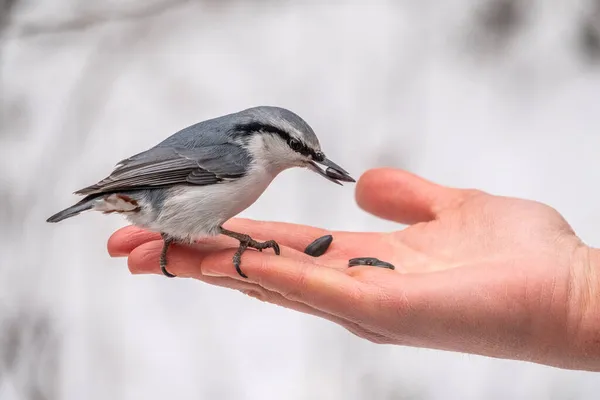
[
  {"x": 372, "y": 261},
  {"x": 318, "y": 247}
]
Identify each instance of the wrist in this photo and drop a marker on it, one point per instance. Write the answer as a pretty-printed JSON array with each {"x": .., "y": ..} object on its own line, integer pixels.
[{"x": 584, "y": 307}]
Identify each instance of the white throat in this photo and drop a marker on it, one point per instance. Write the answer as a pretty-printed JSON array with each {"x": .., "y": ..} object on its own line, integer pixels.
[{"x": 273, "y": 154}]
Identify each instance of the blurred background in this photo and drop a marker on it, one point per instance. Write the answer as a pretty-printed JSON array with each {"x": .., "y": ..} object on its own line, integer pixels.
[{"x": 502, "y": 95}]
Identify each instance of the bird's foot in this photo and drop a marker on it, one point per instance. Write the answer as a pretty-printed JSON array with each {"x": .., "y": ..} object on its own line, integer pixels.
[
  {"x": 163, "y": 255},
  {"x": 260, "y": 246},
  {"x": 247, "y": 242}
]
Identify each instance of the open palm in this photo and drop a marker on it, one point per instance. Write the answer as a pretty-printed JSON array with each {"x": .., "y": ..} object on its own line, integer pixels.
[{"x": 475, "y": 273}]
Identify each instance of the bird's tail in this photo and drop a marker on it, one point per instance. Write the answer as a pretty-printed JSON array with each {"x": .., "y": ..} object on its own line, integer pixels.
[{"x": 83, "y": 205}]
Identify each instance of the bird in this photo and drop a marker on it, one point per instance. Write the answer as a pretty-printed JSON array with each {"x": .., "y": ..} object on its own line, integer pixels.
[{"x": 187, "y": 186}]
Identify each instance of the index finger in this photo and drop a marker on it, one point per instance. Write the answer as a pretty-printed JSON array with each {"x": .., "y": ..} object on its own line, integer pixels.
[
  {"x": 291, "y": 235},
  {"x": 123, "y": 241},
  {"x": 328, "y": 289}
]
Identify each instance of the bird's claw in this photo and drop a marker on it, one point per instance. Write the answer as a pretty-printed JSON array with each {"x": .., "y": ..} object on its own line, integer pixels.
[
  {"x": 273, "y": 245},
  {"x": 260, "y": 246},
  {"x": 166, "y": 273},
  {"x": 167, "y": 241}
]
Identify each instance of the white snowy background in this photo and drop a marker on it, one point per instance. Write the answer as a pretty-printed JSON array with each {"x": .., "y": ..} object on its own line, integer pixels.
[{"x": 502, "y": 95}]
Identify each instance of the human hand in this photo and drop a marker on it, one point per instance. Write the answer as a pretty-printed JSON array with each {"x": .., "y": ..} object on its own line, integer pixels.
[{"x": 475, "y": 273}]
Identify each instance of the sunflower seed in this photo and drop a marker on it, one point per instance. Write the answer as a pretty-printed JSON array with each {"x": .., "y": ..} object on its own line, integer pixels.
[
  {"x": 319, "y": 246},
  {"x": 335, "y": 174},
  {"x": 375, "y": 262}
]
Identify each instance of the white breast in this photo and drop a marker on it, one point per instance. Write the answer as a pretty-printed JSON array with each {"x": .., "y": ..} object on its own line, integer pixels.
[{"x": 191, "y": 212}]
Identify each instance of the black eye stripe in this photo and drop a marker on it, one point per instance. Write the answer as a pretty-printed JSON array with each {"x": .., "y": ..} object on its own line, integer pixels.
[
  {"x": 258, "y": 127},
  {"x": 299, "y": 147}
]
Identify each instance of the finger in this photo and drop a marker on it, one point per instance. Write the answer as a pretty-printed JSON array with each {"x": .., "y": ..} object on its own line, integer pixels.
[
  {"x": 294, "y": 236},
  {"x": 290, "y": 235},
  {"x": 123, "y": 241},
  {"x": 327, "y": 289},
  {"x": 268, "y": 296},
  {"x": 182, "y": 261},
  {"x": 297, "y": 236},
  {"x": 278, "y": 299},
  {"x": 186, "y": 260},
  {"x": 262, "y": 294},
  {"x": 346, "y": 299},
  {"x": 406, "y": 198}
]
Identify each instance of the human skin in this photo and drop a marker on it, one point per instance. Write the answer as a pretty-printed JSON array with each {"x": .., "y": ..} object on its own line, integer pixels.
[{"x": 475, "y": 273}]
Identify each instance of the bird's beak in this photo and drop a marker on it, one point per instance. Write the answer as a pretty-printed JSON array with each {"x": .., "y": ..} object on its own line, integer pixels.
[{"x": 334, "y": 172}]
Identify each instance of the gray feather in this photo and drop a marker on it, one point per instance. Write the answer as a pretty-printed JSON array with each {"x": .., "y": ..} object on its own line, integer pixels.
[
  {"x": 146, "y": 187},
  {"x": 205, "y": 153},
  {"x": 221, "y": 130},
  {"x": 164, "y": 166},
  {"x": 83, "y": 205}
]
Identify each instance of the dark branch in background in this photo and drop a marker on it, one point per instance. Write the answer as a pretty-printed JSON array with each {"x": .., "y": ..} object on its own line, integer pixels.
[
  {"x": 6, "y": 7},
  {"x": 93, "y": 20},
  {"x": 501, "y": 17},
  {"x": 497, "y": 23},
  {"x": 29, "y": 354},
  {"x": 30, "y": 347},
  {"x": 85, "y": 104},
  {"x": 589, "y": 33}
]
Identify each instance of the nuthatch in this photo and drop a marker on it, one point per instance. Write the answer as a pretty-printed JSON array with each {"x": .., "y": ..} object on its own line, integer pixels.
[{"x": 187, "y": 186}]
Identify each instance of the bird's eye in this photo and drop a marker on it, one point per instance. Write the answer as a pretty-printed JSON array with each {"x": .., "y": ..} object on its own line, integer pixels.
[
  {"x": 295, "y": 145},
  {"x": 319, "y": 156}
]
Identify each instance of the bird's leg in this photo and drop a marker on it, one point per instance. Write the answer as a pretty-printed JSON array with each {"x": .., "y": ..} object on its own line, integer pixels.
[
  {"x": 237, "y": 258},
  {"x": 245, "y": 242},
  {"x": 163, "y": 255}
]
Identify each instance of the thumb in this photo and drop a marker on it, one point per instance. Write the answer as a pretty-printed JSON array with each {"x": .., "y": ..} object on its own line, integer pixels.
[{"x": 403, "y": 197}]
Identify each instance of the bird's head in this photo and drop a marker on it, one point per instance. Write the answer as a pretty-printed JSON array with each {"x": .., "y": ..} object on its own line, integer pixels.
[{"x": 280, "y": 139}]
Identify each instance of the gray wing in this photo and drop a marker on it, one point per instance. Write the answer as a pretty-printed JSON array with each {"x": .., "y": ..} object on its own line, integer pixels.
[{"x": 166, "y": 166}]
